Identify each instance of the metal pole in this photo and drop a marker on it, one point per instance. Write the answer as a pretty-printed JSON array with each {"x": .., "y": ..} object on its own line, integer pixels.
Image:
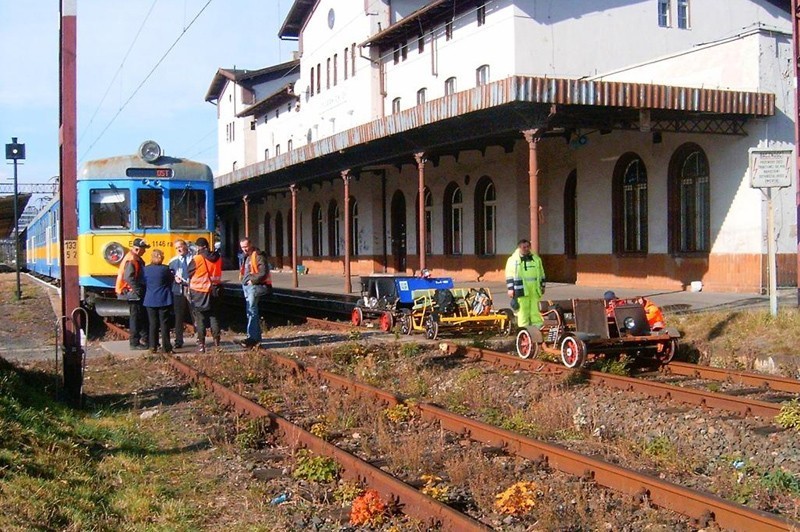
[
  {"x": 421, "y": 234},
  {"x": 796, "y": 65},
  {"x": 532, "y": 136},
  {"x": 348, "y": 286},
  {"x": 16, "y": 226},
  {"x": 246, "y": 216},
  {"x": 295, "y": 280},
  {"x": 772, "y": 263}
]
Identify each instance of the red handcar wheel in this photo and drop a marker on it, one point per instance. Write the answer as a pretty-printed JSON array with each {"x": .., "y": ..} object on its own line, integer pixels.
[
  {"x": 667, "y": 352},
  {"x": 526, "y": 346},
  {"x": 357, "y": 317},
  {"x": 573, "y": 352},
  {"x": 387, "y": 321}
]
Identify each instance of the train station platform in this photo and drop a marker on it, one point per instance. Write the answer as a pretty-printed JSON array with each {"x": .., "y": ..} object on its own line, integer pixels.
[{"x": 670, "y": 301}]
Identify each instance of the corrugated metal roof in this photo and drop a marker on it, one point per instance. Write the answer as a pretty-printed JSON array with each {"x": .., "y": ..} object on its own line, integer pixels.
[
  {"x": 515, "y": 91},
  {"x": 246, "y": 78},
  {"x": 279, "y": 97}
]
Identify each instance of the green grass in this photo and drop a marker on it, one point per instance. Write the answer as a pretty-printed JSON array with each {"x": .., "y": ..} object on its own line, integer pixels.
[{"x": 78, "y": 470}]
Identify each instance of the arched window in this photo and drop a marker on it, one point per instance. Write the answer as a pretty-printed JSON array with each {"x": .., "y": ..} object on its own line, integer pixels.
[
  {"x": 689, "y": 201},
  {"x": 316, "y": 230},
  {"x": 630, "y": 205},
  {"x": 354, "y": 243},
  {"x": 570, "y": 215},
  {"x": 485, "y": 217},
  {"x": 453, "y": 220},
  {"x": 449, "y": 86},
  {"x": 267, "y": 234},
  {"x": 428, "y": 222},
  {"x": 279, "y": 238},
  {"x": 334, "y": 229}
]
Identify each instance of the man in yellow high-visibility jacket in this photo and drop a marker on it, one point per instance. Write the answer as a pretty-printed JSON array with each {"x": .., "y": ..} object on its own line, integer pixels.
[{"x": 525, "y": 281}]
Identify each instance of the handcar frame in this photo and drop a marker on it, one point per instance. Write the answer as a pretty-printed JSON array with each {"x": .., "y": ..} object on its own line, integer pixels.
[
  {"x": 576, "y": 329},
  {"x": 388, "y": 298},
  {"x": 463, "y": 318}
]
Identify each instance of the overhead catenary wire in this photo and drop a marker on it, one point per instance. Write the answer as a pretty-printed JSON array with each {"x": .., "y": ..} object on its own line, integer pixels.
[
  {"x": 119, "y": 69},
  {"x": 147, "y": 77}
]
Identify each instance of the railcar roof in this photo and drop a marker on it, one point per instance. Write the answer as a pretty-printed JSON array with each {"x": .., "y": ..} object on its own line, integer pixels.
[{"x": 115, "y": 167}]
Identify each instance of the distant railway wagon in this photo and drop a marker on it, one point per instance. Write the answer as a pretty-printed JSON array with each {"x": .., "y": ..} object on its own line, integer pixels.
[{"x": 147, "y": 195}]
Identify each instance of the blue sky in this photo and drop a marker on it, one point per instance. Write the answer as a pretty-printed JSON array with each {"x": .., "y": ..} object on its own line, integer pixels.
[{"x": 170, "y": 106}]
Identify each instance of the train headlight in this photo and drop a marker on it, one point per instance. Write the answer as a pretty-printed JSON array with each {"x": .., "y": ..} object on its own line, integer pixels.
[
  {"x": 629, "y": 323},
  {"x": 150, "y": 151},
  {"x": 113, "y": 253}
]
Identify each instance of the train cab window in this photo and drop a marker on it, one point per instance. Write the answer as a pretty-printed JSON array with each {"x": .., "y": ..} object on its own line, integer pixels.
[
  {"x": 110, "y": 208},
  {"x": 150, "y": 208},
  {"x": 187, "y": 209}
]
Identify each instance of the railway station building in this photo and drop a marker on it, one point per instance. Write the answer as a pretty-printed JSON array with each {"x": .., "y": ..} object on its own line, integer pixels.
[{"x": 615, "y": 134}]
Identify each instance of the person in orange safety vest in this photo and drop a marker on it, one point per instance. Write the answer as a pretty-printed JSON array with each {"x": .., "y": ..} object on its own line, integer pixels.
[
  {"x": 205, "y": 275},
  {"x": 130, "y": 286}
]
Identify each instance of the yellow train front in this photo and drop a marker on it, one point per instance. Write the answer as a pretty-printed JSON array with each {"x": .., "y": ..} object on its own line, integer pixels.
[{"x": 147, "y": 195}]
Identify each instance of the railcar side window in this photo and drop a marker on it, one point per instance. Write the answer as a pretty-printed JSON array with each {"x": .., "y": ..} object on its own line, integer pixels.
[
  {"x": 187, "y": 209},
  {"x": 110, "y": 208},
  {"x": 150, "y": 210}
]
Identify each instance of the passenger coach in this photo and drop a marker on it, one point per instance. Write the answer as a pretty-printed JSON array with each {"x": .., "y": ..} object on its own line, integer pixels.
[{"x": 148, "y": 195}]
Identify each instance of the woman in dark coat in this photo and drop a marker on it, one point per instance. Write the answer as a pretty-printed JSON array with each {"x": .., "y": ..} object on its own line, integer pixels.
[{"x": 158, "y": 281}]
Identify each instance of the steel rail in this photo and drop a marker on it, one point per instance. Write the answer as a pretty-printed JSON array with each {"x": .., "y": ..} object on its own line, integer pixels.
[
  {"x": 699, "y": 506},
  {"x": 412, "y": 501},
  {"x": 739, "y": 405},
  {"x": 773, "y": 382}
]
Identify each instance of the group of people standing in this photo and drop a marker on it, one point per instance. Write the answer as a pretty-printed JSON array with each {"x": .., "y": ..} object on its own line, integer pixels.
[{"x": 188, "y": 284}]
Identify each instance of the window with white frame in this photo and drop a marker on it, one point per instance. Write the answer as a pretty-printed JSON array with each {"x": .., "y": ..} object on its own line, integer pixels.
[
  {"x": 277, "y": 150},
  {"x": 663, "y": 13},
  {"x": 266, "y": 153},
  {"x": 421, "y": 96},
  {"x": 334, "y": 229},
  {"x": 481, "y": 13},
  {"x": 354, "y": 243},
  {"x": 396, "y": 105},
  {"x": 335, "y": 69},
  {"x": 449, "y": 86},
  {"x": 289, "y": 145},
  {"x": 316, "y": 230},
  {"x": 683, "y": 14},
  {"x": 482, "y": 75},
  {"x": 457, "y": 218},
  {"x": 448, "y": 30},
  {"x": 485, "y": 217},
  {"x": 344, "y": 66}
]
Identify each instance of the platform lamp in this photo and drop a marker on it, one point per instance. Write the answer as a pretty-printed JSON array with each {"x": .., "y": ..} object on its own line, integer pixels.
[{"x": 16, "y": 152}]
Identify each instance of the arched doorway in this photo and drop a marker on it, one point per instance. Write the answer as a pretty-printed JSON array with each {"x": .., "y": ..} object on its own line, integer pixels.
[
  {"x": 279, "y": 239},
  {"x": 399, "y": 231}
]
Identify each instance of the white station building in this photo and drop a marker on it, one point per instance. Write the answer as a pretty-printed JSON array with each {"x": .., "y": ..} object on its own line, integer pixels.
[{"x": 615, "y": 134}]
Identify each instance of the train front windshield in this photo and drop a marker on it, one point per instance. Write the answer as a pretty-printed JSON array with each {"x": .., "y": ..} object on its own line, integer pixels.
[
  {"x": 188, "y": 209},
  {"x": 110, "y": 208}
]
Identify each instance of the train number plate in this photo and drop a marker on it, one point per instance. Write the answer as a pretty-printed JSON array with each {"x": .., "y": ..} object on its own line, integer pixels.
[{"x": 70, "y": 252}]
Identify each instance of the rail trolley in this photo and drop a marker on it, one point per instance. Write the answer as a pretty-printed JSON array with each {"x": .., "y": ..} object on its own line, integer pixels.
[
  {"x": 576, "y": 329},
  {"x": 147, "y": 195},
  {"x": 390, "y": 298}
]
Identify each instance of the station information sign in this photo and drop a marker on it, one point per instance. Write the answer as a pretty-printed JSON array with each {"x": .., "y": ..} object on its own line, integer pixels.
[{"x": 770, "y": 167}]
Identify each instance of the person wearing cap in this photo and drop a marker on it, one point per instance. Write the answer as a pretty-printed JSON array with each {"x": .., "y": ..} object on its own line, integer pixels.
[
  {"x": 256, "y": 283},
  {"x": 525, "y": 282},
  {"x": 205, "y": 275},
  {"x": 611, "y": 301},
  {"x": 179, "y": 265},
  {"x": 130, "y": 286}
]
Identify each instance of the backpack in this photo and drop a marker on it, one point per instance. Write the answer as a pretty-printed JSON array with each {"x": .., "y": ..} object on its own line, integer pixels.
[
  {"x": 444, "y": 301},
  {"x": 482, "y": 303}
]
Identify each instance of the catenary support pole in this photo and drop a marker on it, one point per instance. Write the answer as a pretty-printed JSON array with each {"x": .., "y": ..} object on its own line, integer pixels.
[{"x": 70, "y": 289}]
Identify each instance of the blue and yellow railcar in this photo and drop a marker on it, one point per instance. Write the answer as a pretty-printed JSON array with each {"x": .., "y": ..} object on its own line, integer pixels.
[
  {"x": 42, "y": 241},
  {"x": 147, "y": 195}
]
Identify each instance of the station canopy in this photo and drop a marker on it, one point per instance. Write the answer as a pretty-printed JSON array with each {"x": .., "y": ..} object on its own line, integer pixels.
[{"x": 7, "y": 213}]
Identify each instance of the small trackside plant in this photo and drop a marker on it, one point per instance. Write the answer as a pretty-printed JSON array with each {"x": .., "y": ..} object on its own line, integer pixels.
[
  {"x": 519, "y": 499},
  {"x": 347, "y": 491},
  {"x": 368, "y": 509},
  {"x": 435, "y": 488},
  {"x": 410, "y": 349},
  {"x": 614, "y": 366},
  {"x": 251, "y": 434},
  {"x": 315, "y": 468},
  {"x": 399, "y": 413},
  {"x": 320, "y": 430},
  {"x": 789, "y": 416}
]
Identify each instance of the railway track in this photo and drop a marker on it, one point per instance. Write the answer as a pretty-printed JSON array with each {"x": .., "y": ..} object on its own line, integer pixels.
[
  {"x": 702, "y": 508},
  {"x": 742, "y": 406}
]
